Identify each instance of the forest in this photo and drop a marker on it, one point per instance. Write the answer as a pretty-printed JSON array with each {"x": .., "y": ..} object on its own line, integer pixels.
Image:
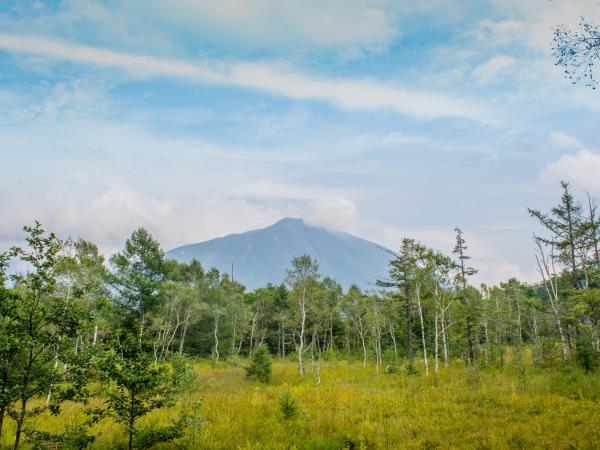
[{"x": 139, "y": 351}]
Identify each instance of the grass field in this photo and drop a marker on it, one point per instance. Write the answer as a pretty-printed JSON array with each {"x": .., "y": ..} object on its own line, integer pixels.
[{"x": 353, "y": 407}]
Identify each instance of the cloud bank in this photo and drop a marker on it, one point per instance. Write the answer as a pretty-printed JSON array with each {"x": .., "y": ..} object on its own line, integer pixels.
[{"x": 352, "y": 94}]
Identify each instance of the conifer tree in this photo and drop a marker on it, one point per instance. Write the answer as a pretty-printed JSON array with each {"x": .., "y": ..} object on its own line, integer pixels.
[
  {"x": 564, "y": 222},
  {"x": 465, "y": 272},
  {"x": 260, "y": 365},
  {"x": 138, "y": 275}
]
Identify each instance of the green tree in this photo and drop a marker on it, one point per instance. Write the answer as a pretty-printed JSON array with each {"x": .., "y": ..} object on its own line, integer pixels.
[
  {"x": 139, "y": 271},
  {"x": 564, "y": 222},
  {"x": 401, "y": 276},
  {"x": 47, "y": 326},
  {"x": 329, "y": 311},
  {"x": 288, "y": 405},
  {"x": 462, "y": 279},
  {"x": 83, "y": 276},
  {"x": 260, "y": 365},
  {"x": 136, "y": 384},
  {"x": 302, "y": 279},
  {"x": 9, "y": 340},
  {"x": 441, "y": 272},
  {"x": 355, "y": 308}
]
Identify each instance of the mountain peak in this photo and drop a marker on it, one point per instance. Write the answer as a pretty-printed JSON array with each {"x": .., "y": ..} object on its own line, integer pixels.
[
  {"x": 262, "y": 256},
  {"x": 289, "y": 221}
]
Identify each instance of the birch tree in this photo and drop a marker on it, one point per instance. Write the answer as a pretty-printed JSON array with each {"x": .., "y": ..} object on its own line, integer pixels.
[
  {"x": 442, "y": 273},
  {"x": 355, "y": 308},
  {"x": 302, "y": 279}
]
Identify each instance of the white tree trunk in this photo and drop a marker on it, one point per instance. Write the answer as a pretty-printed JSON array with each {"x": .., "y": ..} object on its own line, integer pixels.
[
  {"x": 216, "y": 337},
  {"x": 302, "y": 329},
  {"x": 437, "y": 367},
  {"x": 444, "y": 343},
  {"x": 422, "y": 332},
  {"x": 393, "y": 336},
  {"x": 548, "y": 273}
]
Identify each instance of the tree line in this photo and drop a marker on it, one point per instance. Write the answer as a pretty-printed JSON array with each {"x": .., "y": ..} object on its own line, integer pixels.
[{"x": 132, "y": 322}]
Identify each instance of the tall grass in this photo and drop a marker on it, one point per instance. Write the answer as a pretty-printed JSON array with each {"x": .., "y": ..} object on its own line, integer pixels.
[{"x": 353, "y": 407}]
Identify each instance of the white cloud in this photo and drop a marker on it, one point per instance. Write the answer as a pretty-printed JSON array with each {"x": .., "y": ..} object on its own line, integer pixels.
[
  {"x": 500, "y": 32},
  {"x": 565, "y": 140},
  {"x": 273, "y": 189},
  {"x": 335, "y": 213},
  {"x": 106, "y": 215},
  {"x": 494, "y": 272},
  {"x": 391, "y": 236},
  {"x": 493, "y": 253},
  {"x": 352, "y": 28},
  {"x": 493, "y": 67},
  {"x": 135, "y": 64},
  {"x": 352, "y": 94},
  {"x": 533, "y": 22},
  {"x": 582, "y": 169},
  {"x": 273, "y": 23}
]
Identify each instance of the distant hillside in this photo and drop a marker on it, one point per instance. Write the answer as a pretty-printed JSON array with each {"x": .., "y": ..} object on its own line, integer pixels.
[{"x": 262, "y": 256}]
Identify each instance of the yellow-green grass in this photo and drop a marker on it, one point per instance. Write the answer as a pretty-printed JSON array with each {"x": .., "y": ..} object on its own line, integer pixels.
[{"x": 353, "y": 407}]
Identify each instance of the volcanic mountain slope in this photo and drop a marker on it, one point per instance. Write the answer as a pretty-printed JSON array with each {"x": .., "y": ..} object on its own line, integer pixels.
[{"x": 262, "y": 256}]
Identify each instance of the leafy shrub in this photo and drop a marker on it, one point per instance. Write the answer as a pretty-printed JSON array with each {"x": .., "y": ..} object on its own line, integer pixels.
[
  {"x": 288, "y": 405},
  {"x": 349, "y": 443},
  {"x": 151, "y": 436},
  {"x": 260, "y": 366},
  {"x": 391, "y": 369},
  {"x": 183, "y": 376},
  {"x": 572, "y": 382},
  {"x": 193, "y": 410},
  {"x": 331, "y": 355},
  {"x": 74, "y": 437},
  {"x": 411, "y": 369},
  {"x": 550, "y": 353},
  {"x": 135, "y": 385}
]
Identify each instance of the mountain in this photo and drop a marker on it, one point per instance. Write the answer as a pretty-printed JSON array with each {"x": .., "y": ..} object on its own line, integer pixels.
[{"x": 262, "y": 256}]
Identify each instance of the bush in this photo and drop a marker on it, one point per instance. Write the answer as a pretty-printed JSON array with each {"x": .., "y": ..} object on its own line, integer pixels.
[
  {"x": 331, "y": 355},
  {"x": 260, "y": 366},
  {"x": 391, "y": 369},
  {"x": 151, "y": 436},
  {"x": 550, "y": 353},
  {"x": 288, "y": 405},
  {"x": 74, "y": 437},
  {"x": 411, "y": 369},
  {"x": 183, "y": 376}
]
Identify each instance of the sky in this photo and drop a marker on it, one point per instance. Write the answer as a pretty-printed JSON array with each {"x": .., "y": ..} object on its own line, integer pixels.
[{"x": 385, "y": 119}]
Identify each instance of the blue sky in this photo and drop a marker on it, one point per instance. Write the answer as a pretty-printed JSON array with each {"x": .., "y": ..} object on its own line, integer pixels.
[{"x": 381, "y": 118}]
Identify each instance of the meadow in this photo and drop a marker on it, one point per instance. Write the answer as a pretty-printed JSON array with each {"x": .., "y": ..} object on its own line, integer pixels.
[{"x": 353, "y": 407}]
